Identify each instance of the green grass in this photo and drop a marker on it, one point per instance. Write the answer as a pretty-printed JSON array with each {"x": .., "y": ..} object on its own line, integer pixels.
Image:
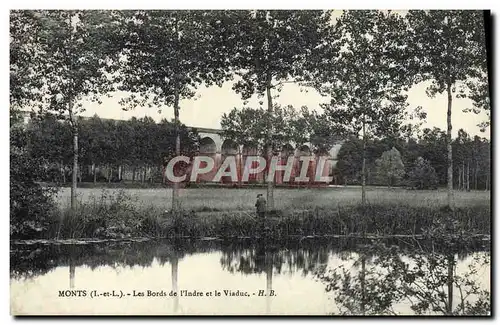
[
  {"x": 228, "y": 213},
  {"x": 227, "y": 199}
]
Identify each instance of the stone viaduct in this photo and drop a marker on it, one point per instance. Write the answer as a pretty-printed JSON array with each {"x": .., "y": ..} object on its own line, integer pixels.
[{"x": 213, "y": 144}]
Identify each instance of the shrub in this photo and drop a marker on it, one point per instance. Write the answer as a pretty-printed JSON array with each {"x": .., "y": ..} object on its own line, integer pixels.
[{"x": 422, "y": 176}]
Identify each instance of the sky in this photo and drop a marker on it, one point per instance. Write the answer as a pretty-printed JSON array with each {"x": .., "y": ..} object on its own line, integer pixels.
[{"x": 211, "y": 103}]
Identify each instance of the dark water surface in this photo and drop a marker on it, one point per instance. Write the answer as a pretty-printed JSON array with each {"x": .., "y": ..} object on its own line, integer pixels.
[{"x": 242, "y": 278}]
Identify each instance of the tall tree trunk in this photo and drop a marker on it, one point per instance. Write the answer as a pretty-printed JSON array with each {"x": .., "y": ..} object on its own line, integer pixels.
[
  {"x": 133, "y": 174},
  {"x": 95, "y": 173},
  {"x": 468, "y": 176},
  {"x": 475, "y": 176},
  {"x": 74, "y": 177},
  {"x": 450, "y": 152},
  {"x": 73, "y": 120},
  {"x": 459, "y": 178},
  {"x": 240, "y": 176},
  {"x": 119, "y": 172},
  {"x": 175, "y": 190},
  {"x": 463, "y": 176},
  {"x": 363, "y": 167},
  {"x": 270, "y": 184}
]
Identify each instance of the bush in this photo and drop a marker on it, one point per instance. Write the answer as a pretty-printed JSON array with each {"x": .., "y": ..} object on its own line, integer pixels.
[
  {"x": 114, "y": 215},
  {"x": 422, "y": 176}
]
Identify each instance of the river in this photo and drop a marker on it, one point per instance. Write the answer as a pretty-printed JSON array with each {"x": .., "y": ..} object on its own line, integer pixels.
[{"x": 209, "y": 278}]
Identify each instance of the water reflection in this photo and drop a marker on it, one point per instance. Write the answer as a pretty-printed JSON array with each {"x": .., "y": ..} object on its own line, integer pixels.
[
  {"x": 71, "y": 273},
  {"x": 283, "y": 270},
  {"x": 175, "y": 271}
]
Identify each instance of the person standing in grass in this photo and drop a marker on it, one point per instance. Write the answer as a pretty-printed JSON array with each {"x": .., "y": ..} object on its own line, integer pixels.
[{"x": 260, "y": 205}]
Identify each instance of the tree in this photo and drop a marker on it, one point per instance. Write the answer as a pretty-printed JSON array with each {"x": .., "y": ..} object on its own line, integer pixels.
[
  {"x": 390, "y": 167},
  {"x": 167, "y": 55},
  {"x": 273, "y": 47},
  {"x": 97, "y": 141},
  {"x": 433, "y": 148},
  {"x": 422, "y": 175},
  {"x": 68, "y": 62},
  {"x": 316, "y": 128},
  {"x": 25, "y": 79},
  {"x": 350, "y": 160},
  {"x": 479, "y": 87},
  {"x": 248, "y": 127},
  {"x": 483, "y": 162},
  {"x": 245, "y": 126},
  {"x": 479, "y": 94},
  {"x": 365, "y": 79},
  {"x": 447, "y": 48},
  {"x": 31, "y": 203},
  {"x": 50, "y": 140},
  {"x": 463, "y": 152}
]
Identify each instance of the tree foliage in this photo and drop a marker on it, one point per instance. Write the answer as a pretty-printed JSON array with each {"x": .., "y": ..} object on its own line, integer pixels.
[
  {"x": 273, "y": 46},
  {"x": 390, "y": 167},
  {"x": 68, "y": 56},
  {"x": 422, "y": 176},
  {"x": 248, "y": 127},
  {"x": 471, "y": 154},
  {"x": 134, "y": 143},
  {"x": 363, "y": 80},
  {"x": 168, "y": 54},
  {"x": 31, "y": 203}
]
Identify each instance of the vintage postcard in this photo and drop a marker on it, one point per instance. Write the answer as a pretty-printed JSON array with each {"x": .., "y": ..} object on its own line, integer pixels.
[{"x": 250, "y": 162}]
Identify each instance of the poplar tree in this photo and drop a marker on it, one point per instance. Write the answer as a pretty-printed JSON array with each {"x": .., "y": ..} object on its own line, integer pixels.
[
  {"x": 274, "y": 47},
  {"x": 61, "y": 58},
  {"x": 167, "y": 55},
  {"x": 447, "y": 48},
  {"x": 365, "y": 79}
]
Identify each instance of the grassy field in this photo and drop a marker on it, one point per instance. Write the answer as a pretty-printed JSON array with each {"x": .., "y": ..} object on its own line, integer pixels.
[
  {"x": 226, "y": 199},
  {"x": 228, "y": 213}
]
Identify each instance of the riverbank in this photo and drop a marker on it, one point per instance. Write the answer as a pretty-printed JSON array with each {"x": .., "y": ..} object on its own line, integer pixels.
[{"x": 124, "y": 219}]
